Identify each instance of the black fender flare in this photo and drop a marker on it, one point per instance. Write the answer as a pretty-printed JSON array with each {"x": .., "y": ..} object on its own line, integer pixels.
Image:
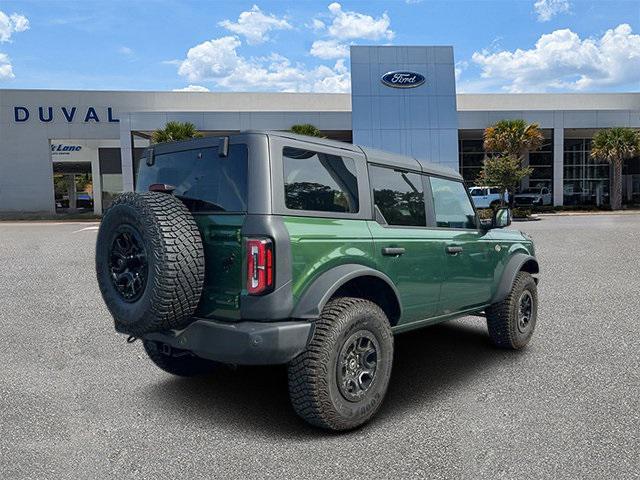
[
  {"x": 514, "y": 265},
  {"x": 320, "y": 291}
]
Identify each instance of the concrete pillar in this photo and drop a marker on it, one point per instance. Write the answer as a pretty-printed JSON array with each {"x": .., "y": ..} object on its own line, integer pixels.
[
  {"x": 71, "y": 191},
  {"x": 126, "y": 153},
  {"x": 558, "y": 166},
  {"x": 96, "y": 180}
]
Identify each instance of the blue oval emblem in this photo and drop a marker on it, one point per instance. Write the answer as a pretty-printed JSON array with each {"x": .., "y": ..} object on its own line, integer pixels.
[{"x": 402, "y": 79}]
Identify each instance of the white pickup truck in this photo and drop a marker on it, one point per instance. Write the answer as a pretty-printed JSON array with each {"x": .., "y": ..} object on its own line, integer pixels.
[
  {"x": 486, "y": 197},
  {"x": 535, "y": 196}
]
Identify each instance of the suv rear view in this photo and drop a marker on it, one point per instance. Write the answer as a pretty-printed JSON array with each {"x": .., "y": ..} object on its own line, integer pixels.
[{"x": 273, "y": 248}]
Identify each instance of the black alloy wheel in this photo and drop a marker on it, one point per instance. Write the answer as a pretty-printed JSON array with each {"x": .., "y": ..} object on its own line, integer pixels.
[
  {"x": 128, "y": 264},
  {"x": 356, "y": 368}
]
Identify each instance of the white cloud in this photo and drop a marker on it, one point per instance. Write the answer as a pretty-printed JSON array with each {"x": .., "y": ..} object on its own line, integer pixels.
[
  {"x": 547, "y": 9},
  {"x": 10, "y": 24},
  {"x": 126, "y": 51},
  {"x": 254, "y": 25},
  {"x": 351, "y": 25},
  {"x": 211, "y": 59},
  {"x": 218, "y": 61},
  {"x": 316, "y": 25},
  {"x": 561, "y": 60},
  {"x": 192, "y": 88},
  {"x": 328, "y": 49},
  {"x": 6, "y": 70}
]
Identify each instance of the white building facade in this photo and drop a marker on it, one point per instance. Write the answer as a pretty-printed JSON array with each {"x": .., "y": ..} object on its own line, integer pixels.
[{"x": 67, "y": 151}]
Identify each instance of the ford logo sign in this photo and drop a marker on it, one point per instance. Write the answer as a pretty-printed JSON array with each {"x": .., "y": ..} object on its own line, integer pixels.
[{"x": 402, "y": 79}]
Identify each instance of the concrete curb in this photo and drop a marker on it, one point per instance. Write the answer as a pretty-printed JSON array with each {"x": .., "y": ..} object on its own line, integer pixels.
[{"x": 570, "y": 214}]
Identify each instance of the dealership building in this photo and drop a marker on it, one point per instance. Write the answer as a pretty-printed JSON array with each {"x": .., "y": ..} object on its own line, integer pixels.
[{"x": 68, "y": 151}]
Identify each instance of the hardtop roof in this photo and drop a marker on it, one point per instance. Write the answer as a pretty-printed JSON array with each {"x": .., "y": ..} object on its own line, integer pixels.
[{"x": 372, "y": 155}]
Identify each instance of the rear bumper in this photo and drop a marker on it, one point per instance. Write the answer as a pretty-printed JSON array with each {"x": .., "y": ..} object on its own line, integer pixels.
[{"x": 242, "y": 343}]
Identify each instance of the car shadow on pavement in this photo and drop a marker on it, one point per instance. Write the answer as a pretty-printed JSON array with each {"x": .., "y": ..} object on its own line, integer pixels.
[{"x": 427, "y": 361}]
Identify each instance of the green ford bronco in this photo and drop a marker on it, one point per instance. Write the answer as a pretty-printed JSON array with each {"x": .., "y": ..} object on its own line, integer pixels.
[{"x": 273, "y": 248}]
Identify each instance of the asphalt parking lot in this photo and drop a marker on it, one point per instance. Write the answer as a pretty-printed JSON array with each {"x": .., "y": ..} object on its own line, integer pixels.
[{"x": 76, "y": 401}]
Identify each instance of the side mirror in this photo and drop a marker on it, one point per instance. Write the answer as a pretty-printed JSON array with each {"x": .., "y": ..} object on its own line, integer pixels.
[{"x": 501, "y": 218}]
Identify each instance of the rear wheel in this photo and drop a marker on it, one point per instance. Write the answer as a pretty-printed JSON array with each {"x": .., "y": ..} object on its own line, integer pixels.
[
  {"x": 177, "y": 362},
  {"x": 340, "y": 380},
  {"x": 495, "y": 205},
  {"x": 511, "y": 322}
]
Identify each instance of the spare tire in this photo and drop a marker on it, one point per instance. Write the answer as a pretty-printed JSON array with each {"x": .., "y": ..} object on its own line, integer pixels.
[{"x": 149, "y": 263}]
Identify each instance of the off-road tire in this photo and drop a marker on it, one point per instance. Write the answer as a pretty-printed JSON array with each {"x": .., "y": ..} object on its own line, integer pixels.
[
  {"x": 502, "y": 317},
  {"x": 494, "y": 205},
  {"x": 174, "y": 255},
  {"x": 181, "y": 364},
  {"x": 313, "y": 385}
]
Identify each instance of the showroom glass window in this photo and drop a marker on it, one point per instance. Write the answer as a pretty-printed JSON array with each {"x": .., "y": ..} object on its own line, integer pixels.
[
  {"x": 204, "y": 181},
  {"x": 586, "y": 180},
  {"x": 472, "y": 155},
  {"x": 399, "y": 196},
  {"x": 541, "y": 161},
  {"x": 319, "y": 182},
  {"x": 451, "y": 204}
]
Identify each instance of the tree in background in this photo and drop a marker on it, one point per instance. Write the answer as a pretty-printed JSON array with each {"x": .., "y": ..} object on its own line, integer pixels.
[
  {"x": 504, "y": 172},
  {"x": 615, "y": 145},
  {"x": 513, "y": 138},
  {"x": 175, "y": 131},
  {"x": 306, "y": 129}
]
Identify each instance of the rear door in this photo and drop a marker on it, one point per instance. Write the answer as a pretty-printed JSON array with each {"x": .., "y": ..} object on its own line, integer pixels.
[
  {"x": 322, "y": 194},
  {"x": 465, "y": 250},
  {"x": 215, "y": 190},
  {"x": 402, "y": 249}
]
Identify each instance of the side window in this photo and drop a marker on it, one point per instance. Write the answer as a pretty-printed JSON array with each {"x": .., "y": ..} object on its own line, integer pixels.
[
  {"x": 319, "y": 182},
  {"x": 451, "y": 204},
  {"x": 495, "y": 191},
  {"x": 398, "y": 195}
]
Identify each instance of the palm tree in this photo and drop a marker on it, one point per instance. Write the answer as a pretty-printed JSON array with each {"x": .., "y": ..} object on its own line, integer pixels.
[
  {"x": 306, "y": 129},
  {"x": 175, "y": 131},
  {"x": 615, "y": 145},
  {"x": 513, "y": 138}
]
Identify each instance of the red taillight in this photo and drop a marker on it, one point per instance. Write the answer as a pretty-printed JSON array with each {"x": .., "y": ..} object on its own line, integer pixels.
[{"x": 259, "y": 266}]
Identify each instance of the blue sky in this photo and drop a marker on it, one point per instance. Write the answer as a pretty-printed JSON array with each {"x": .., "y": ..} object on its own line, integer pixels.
[{"x": 500, "y": 46}]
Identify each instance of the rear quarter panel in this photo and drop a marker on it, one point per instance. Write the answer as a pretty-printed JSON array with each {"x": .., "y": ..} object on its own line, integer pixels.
[{"x": 320, "y": 244}]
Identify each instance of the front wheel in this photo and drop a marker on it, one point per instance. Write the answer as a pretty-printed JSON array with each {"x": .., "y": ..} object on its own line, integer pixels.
[
  {"x": 340, "y": 380},
  {"x": 512, "y": 321}
]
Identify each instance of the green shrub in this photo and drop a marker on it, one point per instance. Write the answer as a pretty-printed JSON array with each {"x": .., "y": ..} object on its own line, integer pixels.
[
  {"x": 521, "y": 212},
  {"x": 485, "y": 213}
]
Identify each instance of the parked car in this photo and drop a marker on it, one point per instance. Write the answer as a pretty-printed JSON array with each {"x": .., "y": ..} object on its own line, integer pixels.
[
  {"x": 84, "y": 200},
  {"x": 274, "y": 248},
  {"x": 487, "y": 197},
  {"x": 536, "y": 196}
]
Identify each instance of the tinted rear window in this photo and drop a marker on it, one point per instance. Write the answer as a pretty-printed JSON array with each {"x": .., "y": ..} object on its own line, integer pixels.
[
  {"x": 319, "y": 182},
  {"x": 205, "y": 181}
]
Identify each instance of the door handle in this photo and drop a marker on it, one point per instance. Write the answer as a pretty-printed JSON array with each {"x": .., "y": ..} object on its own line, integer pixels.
[
  {"x": 393, "y": 251},
  {"x": 454, "y": 250}
]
